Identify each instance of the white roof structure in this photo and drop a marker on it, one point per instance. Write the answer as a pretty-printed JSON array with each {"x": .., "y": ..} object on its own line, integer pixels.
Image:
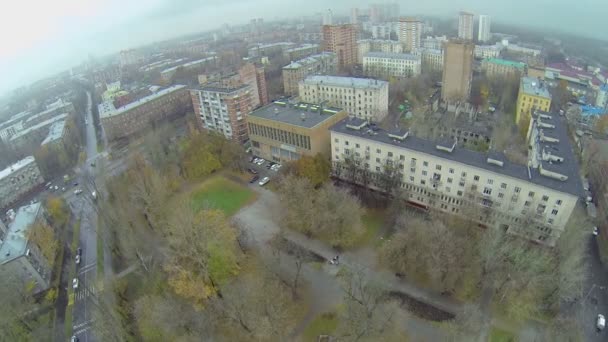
[
  {"x": 15, "y": 243},
  {"x": 16, "y": 166},
  {"x": 55, "y": 132},
  {"x": 40, "y": 125},
  {"x": 107, "y": 109},
  {"x": 353, "y": 82}
]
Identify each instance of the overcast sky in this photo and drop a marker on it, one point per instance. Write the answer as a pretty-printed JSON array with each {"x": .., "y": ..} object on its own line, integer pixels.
[{"x": 40, "y": 37}]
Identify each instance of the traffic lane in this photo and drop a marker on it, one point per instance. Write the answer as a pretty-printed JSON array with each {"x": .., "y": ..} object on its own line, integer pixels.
[{"x": 595, "y": 295}]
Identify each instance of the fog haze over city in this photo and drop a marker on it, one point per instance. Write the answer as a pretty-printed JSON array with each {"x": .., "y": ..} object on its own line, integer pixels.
[{"x": 61, "y": 33}]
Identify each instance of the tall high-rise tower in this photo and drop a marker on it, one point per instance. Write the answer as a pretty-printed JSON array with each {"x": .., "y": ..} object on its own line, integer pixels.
[
  {"x": 409, "y": 33},
  {"x": 341, "y": 40},
  {"x": 465, "y": 25},
  {"x": 484, "y": 34},
  {"x": 457, "y": 70}
]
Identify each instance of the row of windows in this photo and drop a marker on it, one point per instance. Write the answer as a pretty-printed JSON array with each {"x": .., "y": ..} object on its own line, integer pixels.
[{"x": 285, "y": 137}]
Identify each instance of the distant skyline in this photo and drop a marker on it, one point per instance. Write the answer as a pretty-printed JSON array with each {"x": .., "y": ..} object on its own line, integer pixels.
[{"x": 40, "y": 38}]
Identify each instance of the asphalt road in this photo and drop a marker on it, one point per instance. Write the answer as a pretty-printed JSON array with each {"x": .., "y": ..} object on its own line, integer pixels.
[
  {"x": 595, "y": 296},
  {"x": 84, "y": 296}
]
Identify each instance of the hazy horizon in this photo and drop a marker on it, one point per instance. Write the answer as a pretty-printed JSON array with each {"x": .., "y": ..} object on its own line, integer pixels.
[{"x": 62, "y": 33}]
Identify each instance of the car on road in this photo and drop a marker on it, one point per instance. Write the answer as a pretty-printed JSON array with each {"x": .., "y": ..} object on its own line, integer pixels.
[
  {"x": 600, "y": 322},
  {"x": 596, "y": 231},
  {"x": 77, "y": 259},
  {"x": 275, "y": 167},
  {"x": 252, "y": 171},
  {"x": 48, "y": 185},
  {"x": 75, "y": 283},
  {"x": 77, "y": 192},
  {"x": 254, "y": 179},
  {"x": 75, "y": 184},
  {"x": 55, "y": 188},
  {"x": 79, "y": 251},
  {"x": 264, "y": 181},
  {"x": 260, "y": 161},
  {"x": 74, "y": 339}
]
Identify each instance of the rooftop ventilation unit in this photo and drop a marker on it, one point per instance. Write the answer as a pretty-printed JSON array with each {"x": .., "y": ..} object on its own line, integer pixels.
[
  {"x": 446, "y": 146},
  {"x": 494, "y": 161},
  {"x": 399, "y": 135},
  {"x": 356, "y": 124}
]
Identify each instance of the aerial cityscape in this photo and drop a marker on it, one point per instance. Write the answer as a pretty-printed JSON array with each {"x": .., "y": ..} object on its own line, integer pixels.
[{"x": 341, "y": 172}]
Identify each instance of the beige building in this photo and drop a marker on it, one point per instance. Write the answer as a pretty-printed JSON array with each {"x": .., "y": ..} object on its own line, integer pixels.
[
  {"x": 224, "y": 109},
  {"x": 377, "y": 45},
  {"x": 17, "y": 180},
  {"x": 386, "y": 65},
  {"x": 322, "y": 64},
  {"x": 410, "y": 30},
  {"x": 502, "y": 68},
  {"x": 21, "y": 259},
  {"x": 341, "y": 40},
  {"x": 488, "y": 51},
  {"x": 466, "y": 22},
  {"x": 359, "y": 97},
  {"x": 284, "y": 131},
  {"x": 300, "y": 51},
  {"x": 139, "y": 115},
  {"x": 457, "y": 71},
  {"x": 432, "y": 60},
  {"x": 535, "y": 202}
]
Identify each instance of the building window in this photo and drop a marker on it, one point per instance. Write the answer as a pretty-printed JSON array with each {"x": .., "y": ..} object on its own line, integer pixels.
[
  {"x": 447, "y": 189},
  {"x": 550, "y": 221},
  {"x": 517, "y": 189},
  {"x": 490, "y": 181},
  {"x": 423, "y": 182},
  {"x": 541, "y": 208},
  {"x": 377, "y": 160},
  {"x": 424, "y": 173},
  {"x": 476, "y": 178},
  {"x": 487, "y": 191},
  {"x": 473, "y": 187},
  {"x": 545, "y": 198},
  {"x": 461, "y": 183},
  {"x": 438, "y": 167},
  {"x": 503, "y": 185},
  {"x": 425, "y": 163},
  {"x": 390, "y": 154},
  {"x": 464, "y": 174},
  {"x": 346, "y": 143},
  {"x": 378, "y": 150},
  {"x": 411, "y": 179},
  {"x": 357, "y": 145},
  {"x": 558, "y": 202},
  {"x": 459, "y": 193},
  {"x": 451, "y": 170},
  {"x": 527, "y": 203},
  {"x": 501, "y": 195},
  {"x": 336, "y": 140},
  {"x": 412, "y": 170},
  {"x": 378, "y": 168},
  {"x": 531, "y": 194},
  {"x": 401, "y": 157},
  {"x": 554, "y": 212},
  {"x": 449, "y": 180},
  {"x": 346, "y": 151}
]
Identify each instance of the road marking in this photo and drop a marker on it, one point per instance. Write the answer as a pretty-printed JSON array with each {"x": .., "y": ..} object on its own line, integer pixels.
[
  {"x": 78, "y": 326},
  {"x": 87, "y": 268},
  {"x": 78, "y": 332}
]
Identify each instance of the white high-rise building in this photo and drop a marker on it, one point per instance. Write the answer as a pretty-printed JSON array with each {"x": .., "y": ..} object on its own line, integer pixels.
[
  {"x": 354, "y": 15},
  {"x": 328, "y": 18},
  {"x": 409, "y": 33},
  {"x": 465, "y": 25},
  {"x": 484, "y": 34}
]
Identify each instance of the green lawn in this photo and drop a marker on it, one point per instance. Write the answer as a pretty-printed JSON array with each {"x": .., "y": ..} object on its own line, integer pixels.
[
  {"x": 372, "y": 222},
  {"x": 498, "y": 335},
  {"x": 222, "y": 194},
  {"x": 324, "y": 324}
]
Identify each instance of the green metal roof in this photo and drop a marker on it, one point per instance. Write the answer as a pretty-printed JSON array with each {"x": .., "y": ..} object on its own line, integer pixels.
[{"x": 506, "y": 62}]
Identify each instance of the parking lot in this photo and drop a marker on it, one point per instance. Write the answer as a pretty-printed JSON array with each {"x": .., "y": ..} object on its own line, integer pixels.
[{"x": 262, "y": 168}]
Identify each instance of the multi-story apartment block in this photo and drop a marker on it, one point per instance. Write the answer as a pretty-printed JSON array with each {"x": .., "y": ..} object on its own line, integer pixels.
[
  {"x": 18, "y": 179},
  {"x": 167, "y": 74},
  {"x": 457, "y": 71},
  {"x": 27, "y": 140},
  {"x": 410, "y": 30},
  {"x": 224, "y": 109},
  {"x": 466, "y": 22},
  {"x": 20, "y": 258},
  {"x": 136, "y": 116},
  {"x": 259, "y": 50},
  {"x": 488, "y": 51},
  {"x": 432, "y": 60},
  {"x": 283, "y": 131},
  {"x": 377, "y": 45},
  {"x": 56, "y": 133},
  {"x": 341, "y": 40},
  {"x": 363, "y": 98},
  {"x": 434, "y": 43},
  {"x": 321, "y": 64},
  {"x": 300, "y": 51},
  {"x": 385, "y": 65},
  {"x": 260, "y": 79},
  {"x": 484, "y": 35},
  {"x": 533, "y": 95},
  {"x": 532, "y": 201},
  {"x": 502, "y": 68}
]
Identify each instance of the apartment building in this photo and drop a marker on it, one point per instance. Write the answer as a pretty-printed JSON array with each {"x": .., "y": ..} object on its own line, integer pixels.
[
  {"x": 466, "y": 22},
  {"x": 136, "y": 116},
  {"x": 321, "y": 64},
  {"x": 359, "y": 97},
  {"x": 434, "y": 43},
  {"x": 259, "y": 50},
  {"x": 300, "y": 52},
  {"x": 20, "y": 258},
  {"x": 410, "y": 30},
  {"x": 341, "y": 40},
  {"x": 457, "y": 71},
  {"x": 167, "y": 74},
  {"x": 488, "y": 51},
  {"x": 28, "y": 139},
  {"x": 502, "y": 68},
  {"x": 56, "y": 133},
  {"x": 431, "y": 60},
  {"x": 283, "y": 131},
  {"x": 224, "y": 109},
  {"x": 18, "y": 179},
  {"x": 533, "y": 201},
  {"x": 385, "y": 65},
  {"x": 484, "y": 34},
  {"x": 377, "y": 45},
  {"x": 533, "y": 95}
]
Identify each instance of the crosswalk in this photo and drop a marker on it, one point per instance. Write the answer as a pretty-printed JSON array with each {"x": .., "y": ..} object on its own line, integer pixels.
[
  {"x": 85, "y": 292},
  {"x": 82, "y": 327},
  {"x": 87, "y": 268}
]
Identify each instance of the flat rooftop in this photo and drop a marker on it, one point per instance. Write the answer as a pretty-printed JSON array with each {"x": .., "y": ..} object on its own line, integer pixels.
[
  {"x": 309, "y": 60},
  {"x": 472, "y": 158},
  {"x": 39, "y": 125},
  {"x": 392, "y": 55},
  {"x": 302, "y": 47},
  {"x": 16, "y": 166},
  {"x": 55, "y": 132},
  {"x": 535, "y": 87},
  {"x": 301, "y": 114},
  {"x": 351, "y": 82},
  {"x": 15, "y": 242},
  {"x": 106, "y": 109},
  {"x": 189, "y": 64},
  {"x": 220, "y": 88},
  {"x": 506, "y": 62}
]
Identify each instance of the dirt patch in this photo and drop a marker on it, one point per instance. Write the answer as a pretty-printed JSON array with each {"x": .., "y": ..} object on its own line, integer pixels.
[{"x": 420, "y": 309}]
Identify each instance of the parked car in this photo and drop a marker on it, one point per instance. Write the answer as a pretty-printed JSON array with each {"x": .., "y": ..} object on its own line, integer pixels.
[
  {"x": 75, "y": 184},
  {"x": 600, "y": 323},
  {"x": 74, "y": 339},
  {"x": 595, "y": 231},
  {"x": 264, "y": 181},
  {"x": 79, "y": 251},
  {"x": 77, "y": 259},
  {"x": 252, "y": 171},
  {"x": 77, "y": 192},
  {"x": 75, "y": 283},
  {"x": 254, "y": 179}
]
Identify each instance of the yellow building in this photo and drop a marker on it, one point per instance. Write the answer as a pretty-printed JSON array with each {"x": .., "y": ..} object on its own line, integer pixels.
[
  {"x": 533, "y": 95},
  {"x": 283, "y": 131}
]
